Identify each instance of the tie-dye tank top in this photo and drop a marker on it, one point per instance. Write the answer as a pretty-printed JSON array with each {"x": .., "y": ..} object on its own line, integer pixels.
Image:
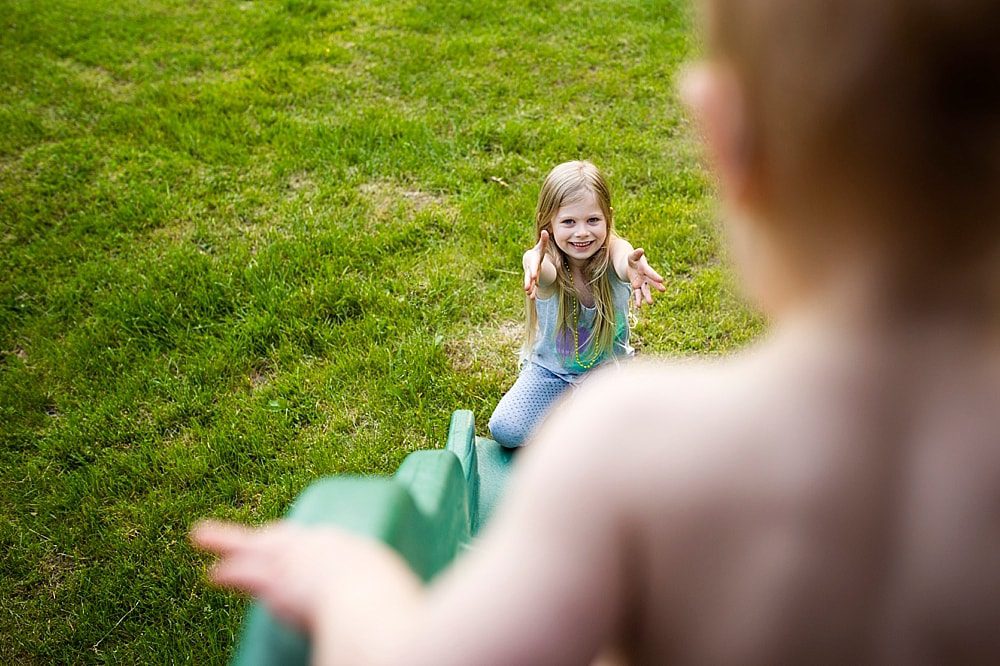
[{"x": 553, "y": 349}]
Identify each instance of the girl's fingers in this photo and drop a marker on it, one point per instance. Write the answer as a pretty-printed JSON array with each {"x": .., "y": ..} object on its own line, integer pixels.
[
  {"x": 636, "y": 255},
  {"x": 530, "y": 282},
  {"x": 653, "y": 276},
  {"x": 641, "y": 293},
  {"x": 649, "y": 273}
]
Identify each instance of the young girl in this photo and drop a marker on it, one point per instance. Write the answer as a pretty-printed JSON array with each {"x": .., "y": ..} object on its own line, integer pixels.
[
  {"x": 578, "y": 279},
  {"x": 831, "y": 495}
]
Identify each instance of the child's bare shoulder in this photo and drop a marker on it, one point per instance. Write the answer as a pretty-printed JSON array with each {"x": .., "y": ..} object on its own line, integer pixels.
[
  {"x": 704, "y": 436},
  {"x": 682, "y": 406},
  {"x": 671, "y": 423}
]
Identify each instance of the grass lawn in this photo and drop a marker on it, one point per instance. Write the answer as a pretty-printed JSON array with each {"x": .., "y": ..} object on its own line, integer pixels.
[{"x": 248, "y": 244}]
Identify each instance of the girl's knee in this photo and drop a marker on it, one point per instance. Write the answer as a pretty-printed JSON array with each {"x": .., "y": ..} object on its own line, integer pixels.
[{"x": 506, "y": 431}]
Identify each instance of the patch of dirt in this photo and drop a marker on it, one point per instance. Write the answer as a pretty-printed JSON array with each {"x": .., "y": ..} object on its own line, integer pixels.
[
  {"x": 385, "y": 197},
  {"x": 257, "y": 378},
  {"x": 300, "y": 183},
  {"x": 300, "y": 180},
  {"x": 55, "y": 567},
  {"x": 491, "y": 348},
  {"x": 96, "y": 77}
]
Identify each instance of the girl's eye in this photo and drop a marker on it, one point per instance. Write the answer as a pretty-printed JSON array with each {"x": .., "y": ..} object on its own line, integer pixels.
[
  {"x": 567, "y": 222},
  {"x": 594, "y": 220}
]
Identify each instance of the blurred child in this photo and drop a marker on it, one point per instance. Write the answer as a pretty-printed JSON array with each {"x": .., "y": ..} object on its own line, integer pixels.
[
  {"x": 578, "y": 288},
  {"x": 832, "y": 495}
]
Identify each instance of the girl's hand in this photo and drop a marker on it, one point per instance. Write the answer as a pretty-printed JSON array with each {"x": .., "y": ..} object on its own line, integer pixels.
[
  {"x": 641, "y": 275},
  {"x": 533, "y": 264},
  {"x": 305, "y": 573}
]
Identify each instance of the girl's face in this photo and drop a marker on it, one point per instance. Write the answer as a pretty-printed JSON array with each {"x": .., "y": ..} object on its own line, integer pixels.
[{"x": 579, "y": 228}]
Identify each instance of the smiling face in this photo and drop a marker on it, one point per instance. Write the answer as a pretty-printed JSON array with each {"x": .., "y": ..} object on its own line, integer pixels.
[{"x": 579, "y": 228}]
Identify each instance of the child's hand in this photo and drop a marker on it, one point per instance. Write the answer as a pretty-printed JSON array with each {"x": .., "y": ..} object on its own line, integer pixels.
[
  {"x": 641, "y": 275},
  {"x": 533, "y": 264},
  {"x": 303, "y": 573}
]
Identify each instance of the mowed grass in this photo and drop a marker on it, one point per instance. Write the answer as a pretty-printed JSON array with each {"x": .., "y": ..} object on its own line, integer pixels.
[{"x": 248, "y": 244}]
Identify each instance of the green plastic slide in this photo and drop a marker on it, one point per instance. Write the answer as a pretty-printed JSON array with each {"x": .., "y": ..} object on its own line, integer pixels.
[{"x": 428, "y": 511}]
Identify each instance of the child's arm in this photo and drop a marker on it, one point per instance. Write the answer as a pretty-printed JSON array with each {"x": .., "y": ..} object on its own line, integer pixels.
[
  {"x": 539, "y": 273},
  {"x": 305, "y": 574},
  {"x": 631, "y": 266},
  {"x": 546, "y": 584}
]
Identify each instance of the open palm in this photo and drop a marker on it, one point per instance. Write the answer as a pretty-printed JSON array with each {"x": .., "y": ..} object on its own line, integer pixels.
[{"x": 641, "y": 275}]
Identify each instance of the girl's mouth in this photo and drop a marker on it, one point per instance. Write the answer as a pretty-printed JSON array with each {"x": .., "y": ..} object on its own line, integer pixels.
[{"x": 581, "y": 246}]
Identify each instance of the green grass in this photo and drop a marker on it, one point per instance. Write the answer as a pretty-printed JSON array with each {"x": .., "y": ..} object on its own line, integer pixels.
[{"x": 247, "y": 244}]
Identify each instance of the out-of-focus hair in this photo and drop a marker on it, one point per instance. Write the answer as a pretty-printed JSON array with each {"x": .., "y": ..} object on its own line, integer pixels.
[{"x": 892, "y": 105}]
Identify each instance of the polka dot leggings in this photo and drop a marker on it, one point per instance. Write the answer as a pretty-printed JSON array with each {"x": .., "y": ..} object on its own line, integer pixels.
[{"x": 524, "y": 406}]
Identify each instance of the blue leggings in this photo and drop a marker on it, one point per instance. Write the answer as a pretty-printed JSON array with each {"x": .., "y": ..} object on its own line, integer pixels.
[{"x": 524, "y": 406}]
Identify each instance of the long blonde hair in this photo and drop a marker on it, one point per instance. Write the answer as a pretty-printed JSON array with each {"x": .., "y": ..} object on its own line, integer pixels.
[{"x": 564, "y": 184}]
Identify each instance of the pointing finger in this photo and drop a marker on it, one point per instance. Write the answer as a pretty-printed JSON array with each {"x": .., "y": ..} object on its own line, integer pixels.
[{"x": 220, "y": 537}]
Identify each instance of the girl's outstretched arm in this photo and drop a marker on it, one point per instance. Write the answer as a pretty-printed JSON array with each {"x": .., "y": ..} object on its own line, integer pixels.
[
  {"x": 539, "y": 273},
  {"x": 631, "y": 266}
]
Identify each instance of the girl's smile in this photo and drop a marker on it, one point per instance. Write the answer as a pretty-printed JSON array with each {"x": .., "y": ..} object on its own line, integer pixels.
[{"x": 579, "y": 228}]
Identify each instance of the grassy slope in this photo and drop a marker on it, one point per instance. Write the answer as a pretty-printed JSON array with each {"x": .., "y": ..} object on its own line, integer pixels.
[{"x": 245, "y": 244}]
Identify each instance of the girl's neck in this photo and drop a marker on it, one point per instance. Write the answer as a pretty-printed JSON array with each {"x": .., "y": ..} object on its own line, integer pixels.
[
  {"x": 577, "y": 271},
  {"x": 580, "y": 284},
  {"x": 575, "y": 264}
]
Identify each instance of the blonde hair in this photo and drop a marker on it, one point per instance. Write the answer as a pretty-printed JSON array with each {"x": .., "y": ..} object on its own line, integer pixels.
[
  {"x": 893, "y": 105},
  {"x": 563, "y": 185}
]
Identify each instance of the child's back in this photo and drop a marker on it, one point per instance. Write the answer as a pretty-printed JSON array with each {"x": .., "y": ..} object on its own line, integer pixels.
[
  {"x": 830, "y": 496},
  {"x": 834, "y": 501}
]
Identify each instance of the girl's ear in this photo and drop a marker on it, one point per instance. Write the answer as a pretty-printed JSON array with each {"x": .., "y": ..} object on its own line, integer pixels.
[{"x": 713, "y": 94}]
